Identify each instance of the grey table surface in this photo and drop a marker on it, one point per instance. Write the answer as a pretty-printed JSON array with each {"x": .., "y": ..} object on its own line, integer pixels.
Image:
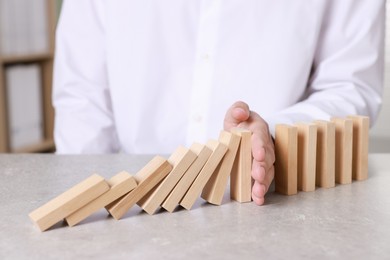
[{"x": 348, "y": 221}]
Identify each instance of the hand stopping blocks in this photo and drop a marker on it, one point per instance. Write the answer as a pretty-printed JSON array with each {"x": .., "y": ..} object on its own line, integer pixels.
[{"x": 307, "y": 154}]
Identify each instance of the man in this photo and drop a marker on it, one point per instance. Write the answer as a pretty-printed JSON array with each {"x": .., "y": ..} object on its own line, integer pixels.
[{"x": 147, "y": 76}]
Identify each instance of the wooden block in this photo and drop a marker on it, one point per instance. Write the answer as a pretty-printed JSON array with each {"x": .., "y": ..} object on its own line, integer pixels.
[
  {"x": 120, "y": 184},
  {"x": 241, "y": 174},
  {"x": 326, "y": 150},
  {"x": 195, "y": 190},
  {"x": 147, "y": 178},
  {"x": 286, "y": 159},
  {"x": 344, "y": 140},
  {"x": 215, "y": 188},
  {"x": 203, "y": 153},
  {"x": 69, "y": 201},
  {"x": 181, "y": 160},
  {"x": 307, "y": 148},
  {"x": 361, "y": 126}
]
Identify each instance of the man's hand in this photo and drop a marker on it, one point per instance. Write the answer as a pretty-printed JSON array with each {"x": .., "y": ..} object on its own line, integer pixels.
[{"x": 263, "y": 151}]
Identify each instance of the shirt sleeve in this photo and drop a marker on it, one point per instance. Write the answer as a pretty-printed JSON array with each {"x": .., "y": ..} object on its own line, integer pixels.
[
  {"x": 84, "y": 119},
  {"x": 347, "y": 72}
]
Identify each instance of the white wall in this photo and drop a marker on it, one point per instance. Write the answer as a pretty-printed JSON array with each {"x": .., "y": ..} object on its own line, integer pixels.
[{"x": 380, "y": 133}]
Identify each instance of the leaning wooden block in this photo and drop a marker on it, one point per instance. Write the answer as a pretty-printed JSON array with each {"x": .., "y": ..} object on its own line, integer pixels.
[
  {"x": 286, "y": 159},
  {"x": 361, "y": 126},
  {"x": 344, "y": 140},
  {"x": 147, "y": 178},
  {"x": 326, "y": 139},
  {"x": 195, "y": 190},
  {"x": 241, "y": 174},
  {"x": 181, "y": 159},
  {"x": 69, "y": 201},
  {"x": 214, "y": 190},
  {"x": 203, "y": 153},
  {"x": 307, "y": 148},
  {"x": 120, "y": 184}
]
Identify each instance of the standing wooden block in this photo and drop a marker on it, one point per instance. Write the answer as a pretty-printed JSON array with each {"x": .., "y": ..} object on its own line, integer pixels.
[
  {"x": 214, "y": 190},
  {"x": 195, "y": 190},
  {"x": 344, "y": 138},
  {"x": 307, "y": 148},
  {"x": 286, "y": 159},
  {"x": 120, "y": 184},
  {"x": 203, "y": 153},
  {"x": 241, "y": 175},
  {"x": 326, "y": 152},
  {"x": 69, "y": 201},
  {"x": 147, "y": 178},
  {"x": 361, "y": 126},
  {"x": 181, "y": 160}
]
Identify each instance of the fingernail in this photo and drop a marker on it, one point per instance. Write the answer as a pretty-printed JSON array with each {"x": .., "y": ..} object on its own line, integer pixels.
[
  {"x": 241, "y": 109},
  {"x": 239, "y": 112}
]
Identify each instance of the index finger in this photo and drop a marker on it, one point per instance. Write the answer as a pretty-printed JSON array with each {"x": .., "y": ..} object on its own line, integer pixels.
[{"x": 237, "y": 113}]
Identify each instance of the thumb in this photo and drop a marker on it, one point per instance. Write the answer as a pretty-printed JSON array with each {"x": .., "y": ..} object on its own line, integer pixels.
[{"x": 237, "y": 113}]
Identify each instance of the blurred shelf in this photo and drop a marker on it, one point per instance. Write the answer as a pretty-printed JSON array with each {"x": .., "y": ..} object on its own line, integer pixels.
[
  {"x": 45, "y": 146},
  {"x": 42, "y": 59},
  {"x": 16, "y": 59}
]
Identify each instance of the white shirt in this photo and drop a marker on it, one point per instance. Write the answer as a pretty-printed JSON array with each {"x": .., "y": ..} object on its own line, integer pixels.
[{"x": 147, "y": 76}]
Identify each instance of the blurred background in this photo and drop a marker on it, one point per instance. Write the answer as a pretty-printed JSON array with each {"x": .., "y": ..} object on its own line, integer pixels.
[
  {"x": 26, "y": 60},
  {"x": 27, "y": 30}
]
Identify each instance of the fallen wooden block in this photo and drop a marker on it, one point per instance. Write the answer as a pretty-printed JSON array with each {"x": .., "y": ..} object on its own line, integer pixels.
[
  {"x": 120, "y": 184},
  {"x": 181, "y": 160},
  {"x": 286, "y": 162},
  {"x": 241, "y": 174},
  {"x": 203, "y": 153},
  {"x": 195, "y": 190},
  {"x": 215, "y": 188},
  {"x": 307, "y": 148},
  {"x": 325, "y": 169},
  {"x": 147, "y": 178},
  {"x": 361, "y": 125},
  {"x": 344, "y": 140},
  {"x": 68, "y": 202}
]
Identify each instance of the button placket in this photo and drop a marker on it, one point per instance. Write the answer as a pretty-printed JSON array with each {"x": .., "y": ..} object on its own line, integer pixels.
[{"x": 203, "y": 70}]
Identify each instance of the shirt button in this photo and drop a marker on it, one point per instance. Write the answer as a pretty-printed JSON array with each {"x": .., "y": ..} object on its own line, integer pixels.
[
  {"x": 205, "y": 57},
  {"x": 197, "y": 118}
]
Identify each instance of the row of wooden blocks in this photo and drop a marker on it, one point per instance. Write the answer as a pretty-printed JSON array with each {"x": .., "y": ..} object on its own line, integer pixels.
[
  {"x": 307, "y": 155},
  {"x": 321, "y": 154},
  {"x": 201, "y": 170}
]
